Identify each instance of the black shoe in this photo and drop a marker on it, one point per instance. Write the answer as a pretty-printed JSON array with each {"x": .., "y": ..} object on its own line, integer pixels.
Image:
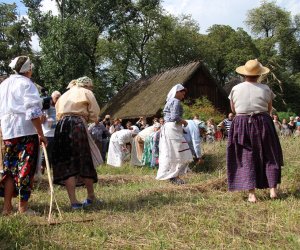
[{"x": 177, "y": 181}]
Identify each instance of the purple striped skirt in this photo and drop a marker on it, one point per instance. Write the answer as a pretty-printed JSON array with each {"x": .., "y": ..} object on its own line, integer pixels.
[{"x": 254, "y": 155}]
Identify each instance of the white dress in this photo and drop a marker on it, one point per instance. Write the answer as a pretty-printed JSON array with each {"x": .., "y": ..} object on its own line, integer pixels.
[{"x": 116, "y": 155}]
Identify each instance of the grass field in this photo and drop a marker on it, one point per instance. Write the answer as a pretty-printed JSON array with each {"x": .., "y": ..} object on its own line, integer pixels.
[{"x": 141, "y": 213}]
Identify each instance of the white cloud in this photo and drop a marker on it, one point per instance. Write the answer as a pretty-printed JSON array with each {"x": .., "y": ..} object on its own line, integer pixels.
[
  {"x": 49, "y": 5},
  {"x": 35, "y": 43},
  {"x": 232, "y": 12}
]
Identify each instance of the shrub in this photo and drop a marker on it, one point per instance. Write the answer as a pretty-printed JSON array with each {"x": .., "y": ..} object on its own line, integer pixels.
[{"x": 204, "y": 108}]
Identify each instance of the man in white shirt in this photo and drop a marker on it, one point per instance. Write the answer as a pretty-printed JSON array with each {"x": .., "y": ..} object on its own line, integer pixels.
[{"x": 48, "y": 125}]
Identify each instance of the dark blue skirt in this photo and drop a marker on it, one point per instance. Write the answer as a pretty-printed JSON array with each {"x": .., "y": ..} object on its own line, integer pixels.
[
  {"x": 254, "y": 154},
  {"x": 71, "y": 152}
]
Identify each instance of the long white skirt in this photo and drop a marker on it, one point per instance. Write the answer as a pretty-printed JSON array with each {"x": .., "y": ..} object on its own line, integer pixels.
[
  {"x": 115, "y": 155},
  {"x": 174, "y": 152}
]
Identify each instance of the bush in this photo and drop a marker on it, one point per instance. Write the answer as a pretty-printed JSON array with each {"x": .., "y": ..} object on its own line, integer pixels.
[
  {"x": 285, "y": 115},
  {"x": 204, "y": 108}
]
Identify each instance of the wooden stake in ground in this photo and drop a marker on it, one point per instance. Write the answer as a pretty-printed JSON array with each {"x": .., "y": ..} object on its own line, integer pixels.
[{"x": 52, "y": 197}]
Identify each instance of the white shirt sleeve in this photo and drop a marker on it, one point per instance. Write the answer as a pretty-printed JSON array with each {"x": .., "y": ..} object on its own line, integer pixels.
[{"x": 32, "y": 101}]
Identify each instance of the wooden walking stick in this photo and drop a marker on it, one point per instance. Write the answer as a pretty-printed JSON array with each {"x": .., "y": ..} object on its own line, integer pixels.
[{"x": 52, "y": 197}]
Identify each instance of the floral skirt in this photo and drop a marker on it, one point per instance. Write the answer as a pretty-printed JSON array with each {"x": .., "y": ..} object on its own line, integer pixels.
[{"x": 19, "y": 162}]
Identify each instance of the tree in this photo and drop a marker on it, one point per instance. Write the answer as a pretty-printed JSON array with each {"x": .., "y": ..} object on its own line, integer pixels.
[
  {"x": 177, "y": 42},
  {"x": 14, "y": 36},
  {"x": 278, "y": 43},
  {"x": 224, "y": 49},
  {"x": 69, "y": 41},
  {"x": 267, "y": 19}
]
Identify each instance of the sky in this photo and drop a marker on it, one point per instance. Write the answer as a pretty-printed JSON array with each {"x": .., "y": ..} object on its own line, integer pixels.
[{"x": 205, "y": 12}]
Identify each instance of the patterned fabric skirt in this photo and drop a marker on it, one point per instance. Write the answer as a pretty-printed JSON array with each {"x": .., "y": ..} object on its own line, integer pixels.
[
  {"x": 19, "y": 162},
  {"x": 71, "y": 152},
  {"x": 254, "y": 154}
]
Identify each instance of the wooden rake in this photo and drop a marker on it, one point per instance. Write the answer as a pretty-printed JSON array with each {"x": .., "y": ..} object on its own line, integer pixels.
[{"x": 52, "y": 196}]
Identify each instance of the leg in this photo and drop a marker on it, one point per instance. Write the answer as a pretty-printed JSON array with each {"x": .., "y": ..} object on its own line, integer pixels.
[
  {"x": 70, "y": 186},
  {"x": 89, "y": 183},
  {"x": 273, "y": 193},
  {"x": 8, "y": 195},
  {"x": 23, "y": 206},
  {"x": 252, "y": 197}
]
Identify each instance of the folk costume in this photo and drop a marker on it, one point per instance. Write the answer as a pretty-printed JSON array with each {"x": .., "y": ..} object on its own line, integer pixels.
[
  {"x": 174, "y": 152},
  {"x": 117, "y": 151},
  {"x": 254, "y": 155},
  {"x": 19, "y": 104},
  {"x": 74, "y": 152}
]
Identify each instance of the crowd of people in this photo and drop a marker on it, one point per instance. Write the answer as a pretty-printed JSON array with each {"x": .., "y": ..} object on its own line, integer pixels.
[{"x": 78, "y": 140}]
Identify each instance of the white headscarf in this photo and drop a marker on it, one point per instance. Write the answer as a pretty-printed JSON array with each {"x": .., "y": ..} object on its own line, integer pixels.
[
  {"x": 134, "y": 130},
  {"x": 172, "y": 92},
  {"x": 27, "y": 66}
]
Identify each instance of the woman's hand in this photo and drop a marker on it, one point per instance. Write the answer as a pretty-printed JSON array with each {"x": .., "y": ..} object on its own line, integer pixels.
[
  {"x": 184, "y": 123},
  {"x": 43, "y": 139}
]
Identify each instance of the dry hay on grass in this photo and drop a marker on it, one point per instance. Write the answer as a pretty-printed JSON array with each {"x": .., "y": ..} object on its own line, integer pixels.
[
  {"x": 103, "y": 180},
  {"x": 123, "y": 179},
  {"x": 219, "y": 184}
]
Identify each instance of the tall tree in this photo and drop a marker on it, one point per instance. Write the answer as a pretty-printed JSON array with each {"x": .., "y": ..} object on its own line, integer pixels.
[
  {"x": 14, "y": 36},
  {"x": 278, "y": 43},
  {"x": 225, "y": 48}
]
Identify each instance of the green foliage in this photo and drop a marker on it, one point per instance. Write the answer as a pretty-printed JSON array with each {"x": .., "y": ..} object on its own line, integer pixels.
[
  {"x": 119, "y": 41},
  {"x": 267, "y": 19},
  {"x": 204, "y": 109},
  {"x": 285, "y": 115},
  {"x": 225, "y": 49},
  {"x": 279, "y": 50},
  {"x": 15, "y": 36}
]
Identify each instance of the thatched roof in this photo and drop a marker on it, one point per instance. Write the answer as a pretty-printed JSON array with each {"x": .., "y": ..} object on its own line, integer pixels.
[{"x": 146, "y": 97}]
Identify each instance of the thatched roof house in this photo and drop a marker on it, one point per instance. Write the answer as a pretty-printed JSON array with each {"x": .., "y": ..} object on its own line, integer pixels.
[{"x": 146, "y": 97}]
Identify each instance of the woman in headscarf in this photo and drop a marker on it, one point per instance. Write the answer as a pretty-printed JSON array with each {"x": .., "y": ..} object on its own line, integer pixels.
[
  {"x": 20, "y": 111},
  {"x": 117, "y": 150},
  {"x": 254, "y": 155},
  {"x": 174, "y": 152},
  {"x": 75, "y": 155}
]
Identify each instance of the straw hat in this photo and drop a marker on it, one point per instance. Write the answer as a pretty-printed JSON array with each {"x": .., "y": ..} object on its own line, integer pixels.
[{"x": 252, "y": 68}]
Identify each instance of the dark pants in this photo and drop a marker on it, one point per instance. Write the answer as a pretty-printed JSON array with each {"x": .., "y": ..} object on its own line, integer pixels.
[{"x": 102, "y": 146}]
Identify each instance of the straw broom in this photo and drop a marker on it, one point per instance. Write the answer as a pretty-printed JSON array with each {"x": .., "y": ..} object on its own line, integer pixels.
[{"x": 52, "y": 197}]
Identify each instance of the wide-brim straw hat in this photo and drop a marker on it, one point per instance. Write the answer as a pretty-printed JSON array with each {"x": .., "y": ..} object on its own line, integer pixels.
[{"x": 252, "y": 68}]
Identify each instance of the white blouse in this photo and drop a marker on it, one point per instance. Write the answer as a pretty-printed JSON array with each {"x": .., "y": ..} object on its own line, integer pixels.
[
  {"x": 251, "y": 97},
  {"x": 19, "y": 104}
]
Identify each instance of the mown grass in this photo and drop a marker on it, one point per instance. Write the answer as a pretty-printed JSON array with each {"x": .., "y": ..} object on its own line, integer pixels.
[{"x": 141, "y": 213}]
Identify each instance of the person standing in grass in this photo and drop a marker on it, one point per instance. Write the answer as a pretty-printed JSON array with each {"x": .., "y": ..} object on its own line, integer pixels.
[
  {"x": 174, "y": 151},
  {"x": 75, "y": 155},
  {"x": 20, "y": 112},
  {"x": 254, "y": 154}
]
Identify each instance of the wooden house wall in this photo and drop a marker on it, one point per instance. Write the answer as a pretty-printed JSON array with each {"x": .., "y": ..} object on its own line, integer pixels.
[{"x": 201, "y": 84}]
